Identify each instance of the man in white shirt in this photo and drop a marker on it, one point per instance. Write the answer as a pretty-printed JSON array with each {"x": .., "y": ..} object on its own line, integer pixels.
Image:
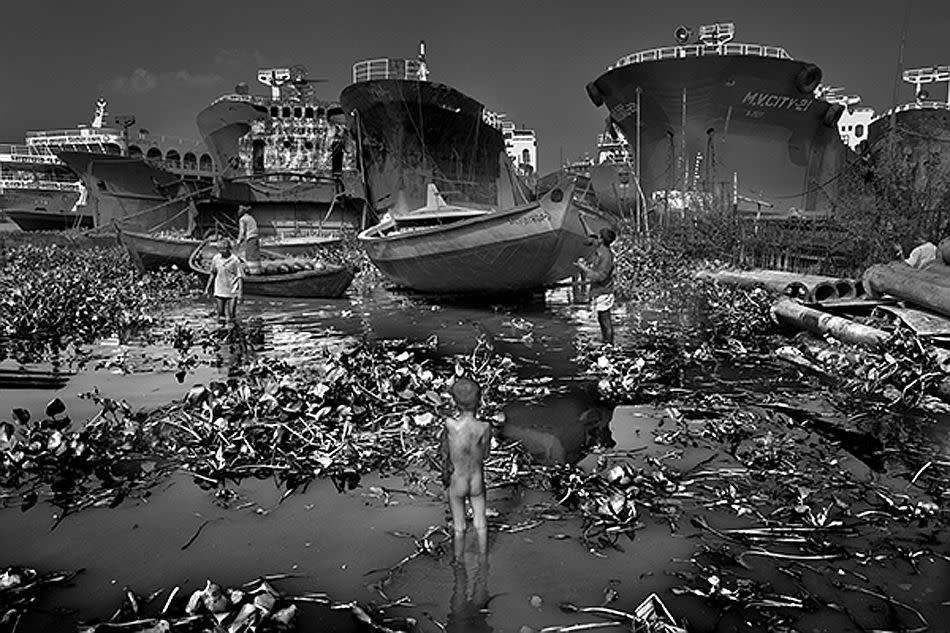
[{"x": 227, "y": 274}]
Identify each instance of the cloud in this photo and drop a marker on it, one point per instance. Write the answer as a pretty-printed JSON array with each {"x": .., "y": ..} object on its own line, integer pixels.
[{"x": 142, "y": 81}]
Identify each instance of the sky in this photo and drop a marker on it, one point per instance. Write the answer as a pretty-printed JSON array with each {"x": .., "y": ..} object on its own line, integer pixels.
[{"x": 164, "y": 61}]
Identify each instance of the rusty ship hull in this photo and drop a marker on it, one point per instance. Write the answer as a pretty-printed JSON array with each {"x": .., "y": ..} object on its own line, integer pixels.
[
  {"x": 415, "y": 133},
  {"x": 917, "y": 153},
  {"x": 133, "y": 191},
  {"x": 708, "y": 122},
  {"x": 37, "y": 210}
]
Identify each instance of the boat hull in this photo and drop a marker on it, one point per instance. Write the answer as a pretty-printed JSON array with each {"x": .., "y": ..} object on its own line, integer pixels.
[
  {"x": 154, "y": 252},
  {"x": 745, "y": 119},
  {"x": 34, "y": 210},
  {"x": 524, "y": 248},
  {"x": 132, "y": 191},
  {"x": 416, "y": 133},
  {"x": 330, "y": 282}
]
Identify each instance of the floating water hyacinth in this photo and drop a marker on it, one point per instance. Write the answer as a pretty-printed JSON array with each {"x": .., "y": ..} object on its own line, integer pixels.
[{"x": 52, "y": 297}]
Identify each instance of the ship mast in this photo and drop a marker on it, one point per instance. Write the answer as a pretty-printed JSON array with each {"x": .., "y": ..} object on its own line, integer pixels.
[
  {"x": 423, "y": 72},
  {"x": 100, "y": 115}
]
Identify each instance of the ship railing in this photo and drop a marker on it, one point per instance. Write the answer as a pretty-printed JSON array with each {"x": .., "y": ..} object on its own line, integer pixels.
[
  {"x": 39, "y": 185},
  {"x": 27, "y": 154},
  {"x": 701, "y": 50},
  {"x": 164, "y": 140},
  {"x": 922, "y": 105},
  {"x": 233, "y": 96}
]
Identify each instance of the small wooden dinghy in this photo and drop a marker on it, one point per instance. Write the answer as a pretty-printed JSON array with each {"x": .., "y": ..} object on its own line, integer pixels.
[{"x": 291, "y": 277}]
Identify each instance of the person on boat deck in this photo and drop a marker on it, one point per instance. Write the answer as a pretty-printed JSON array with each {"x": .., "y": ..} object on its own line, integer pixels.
[
  {"x": 227, "y": 274},
  {"x": 248, "y": 235},
  {"x": 924, "y": 254},
  {"x": 599, "y": 270}
]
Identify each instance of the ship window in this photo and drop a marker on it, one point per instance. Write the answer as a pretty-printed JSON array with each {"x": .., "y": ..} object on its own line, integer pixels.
[
  {"x": 526, "y": 157},
  {"x": 320, "y": 112},
  {"x": 274, "y": 111},
  {"x": 298, "y": 112},
  {"x": 285, "y": 112},
  {"x": 288, "y": 144},
  {"x": 308, "y": 113},
  {"x": 308, "y": 145},
  {"x": 112, "y": 148},
  {"x": 859, "y": 130}
]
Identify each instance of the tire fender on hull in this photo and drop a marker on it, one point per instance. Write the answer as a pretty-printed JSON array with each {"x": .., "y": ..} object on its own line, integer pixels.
[
  {"x": 595, "y": 95},
  {"x": 832, "y": 115},
  {"x": 808, "y": 78}
]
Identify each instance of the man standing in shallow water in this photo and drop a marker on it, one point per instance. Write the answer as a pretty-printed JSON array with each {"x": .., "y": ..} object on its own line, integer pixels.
[
  {"x": 466, "y": 441},
  {"x": 227, "y": 274},
  {"x": 600, "y": 272}
]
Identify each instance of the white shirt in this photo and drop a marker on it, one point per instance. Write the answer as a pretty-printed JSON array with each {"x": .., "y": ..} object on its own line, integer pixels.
[
  {"x": 228, "y": 274},
  {"x": 923, "y": 255}
]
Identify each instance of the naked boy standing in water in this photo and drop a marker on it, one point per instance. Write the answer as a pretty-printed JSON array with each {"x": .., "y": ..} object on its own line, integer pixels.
[{"x": 466, "y": 442}]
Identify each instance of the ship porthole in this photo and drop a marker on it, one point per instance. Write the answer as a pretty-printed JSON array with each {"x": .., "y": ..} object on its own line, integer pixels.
[
  {"x": 730, "y": 82},
  {"x": 557, "y": 195}
]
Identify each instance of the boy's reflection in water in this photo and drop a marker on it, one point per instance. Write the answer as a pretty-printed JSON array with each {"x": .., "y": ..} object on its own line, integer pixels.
[
  {"x": 468, "y": 611},
  {"x": 236, "y": 343}
]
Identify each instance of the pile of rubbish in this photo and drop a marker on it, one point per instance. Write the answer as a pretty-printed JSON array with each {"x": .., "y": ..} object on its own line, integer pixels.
[{"x": 52, "y": 297}]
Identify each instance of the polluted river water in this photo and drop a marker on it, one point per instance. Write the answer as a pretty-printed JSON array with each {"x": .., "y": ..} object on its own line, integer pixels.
[{"x": 343, "y": 543}]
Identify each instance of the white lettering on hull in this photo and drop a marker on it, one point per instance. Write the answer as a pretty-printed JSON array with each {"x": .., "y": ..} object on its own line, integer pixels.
[{"x": 779, "y": 102}]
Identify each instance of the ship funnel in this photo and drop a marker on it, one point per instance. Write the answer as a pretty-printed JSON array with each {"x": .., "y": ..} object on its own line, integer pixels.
[{"x": 682, "y": 34}]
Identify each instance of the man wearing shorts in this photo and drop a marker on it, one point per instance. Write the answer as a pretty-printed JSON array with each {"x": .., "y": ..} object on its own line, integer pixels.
[{"x": 600, "y": 273}]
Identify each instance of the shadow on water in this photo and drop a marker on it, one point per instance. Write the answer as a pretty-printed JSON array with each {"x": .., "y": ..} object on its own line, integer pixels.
[{"x": 562, "y": 429}]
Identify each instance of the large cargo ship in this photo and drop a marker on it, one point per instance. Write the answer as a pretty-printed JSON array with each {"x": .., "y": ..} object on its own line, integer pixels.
[
  {"x": 715, "y": 122},
  {"x": 910, "y": 143},
  {"x": 413, "y": 133},
  {"x": 288, "y": 154},
  {"x": 129, "y": 175},
  {"x": 37, "y": 190}
]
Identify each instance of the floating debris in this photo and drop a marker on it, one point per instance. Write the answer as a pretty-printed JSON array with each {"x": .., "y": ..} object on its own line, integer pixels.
[{"x": 20, "y": 586}]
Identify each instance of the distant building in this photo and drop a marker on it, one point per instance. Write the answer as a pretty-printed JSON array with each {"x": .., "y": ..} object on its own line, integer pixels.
[{"x": 521, "y": 146}]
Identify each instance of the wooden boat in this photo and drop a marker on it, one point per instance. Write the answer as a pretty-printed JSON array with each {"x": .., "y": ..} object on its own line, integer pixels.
[
  {"x": 157, "y": 251},
  {"x": 446, "y": 249},
  {"x": 297, "y": 278}
]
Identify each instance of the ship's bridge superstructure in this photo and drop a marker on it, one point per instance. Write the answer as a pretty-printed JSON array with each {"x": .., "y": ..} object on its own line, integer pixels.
[
  {"x": 855, "y": 120},
  {"x": 292, "y": 132},
  {"x": 186, "y": 156},
  {"x": 714, "y": 40},
  {"x": 34, "y": 168}
]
